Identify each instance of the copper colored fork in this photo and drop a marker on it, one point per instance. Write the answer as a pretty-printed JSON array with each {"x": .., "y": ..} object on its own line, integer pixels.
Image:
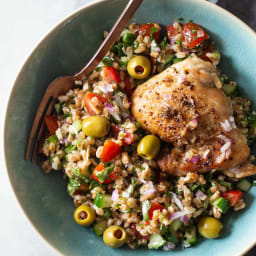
[{"x": 64, "y": 83}]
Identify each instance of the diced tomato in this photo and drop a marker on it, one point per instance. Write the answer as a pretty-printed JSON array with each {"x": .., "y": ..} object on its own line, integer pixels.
[
  {"x": 110, "y": 151},
  {"x": 171, "y": 32},
  {"x": 91, "y": 109},
  {"x": 110, "y": 73},
  {"x": 51, "y": 123},
  {"x": 111, "y": 177},
  {"x": 128, "y": 90},
  {"x": 154, "y": 206},
  {"x": 233, "y": 196},
  {"x": 144, "y": 30},
  {"x": 127, "y": 140},
  {"x": 194, "y": 34}
]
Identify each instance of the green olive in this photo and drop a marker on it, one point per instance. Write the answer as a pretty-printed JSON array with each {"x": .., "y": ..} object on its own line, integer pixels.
[
  {"x": 114, "y": 236},
  {"x": 209, "y": 227},
  {"x": 148, "y": 147},
  {"x": 84, "y": 215},
  {"x": 95, "y": 126},
  {"x": 139, "y": 67}
]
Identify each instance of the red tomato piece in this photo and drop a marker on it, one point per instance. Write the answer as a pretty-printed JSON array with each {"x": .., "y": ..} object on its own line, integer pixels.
[
  {"x": 51, "y": 123},
  {"x": 110, "y": 151},
  {"x": 144, "y": 30},
  {"x": 91, "y": 109},
  {"x": 127, "y": 140},
  {"x": 154, "y": 206},
  {"x": 111, "y": 177},
  {"x": 171, "y": 32},
  {"x": 194, "y": 34},
  {"x": 233, "y": 196},
  {"x": 111, "y": 74}
]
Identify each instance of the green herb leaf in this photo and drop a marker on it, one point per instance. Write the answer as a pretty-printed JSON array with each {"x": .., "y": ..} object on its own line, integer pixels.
[
  {"x": 163, "y": 43},
  {"x": 152, "y": 31},
  {"x": 103, "y": 175},
  {"x": 67, "y": 115},
  {"x": 107, "y": 61},
  {"x": 73, "y": 185},
  {"x": 76, "y": 172}
]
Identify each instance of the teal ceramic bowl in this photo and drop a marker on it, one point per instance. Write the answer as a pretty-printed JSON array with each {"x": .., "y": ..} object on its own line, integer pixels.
[{"x": 64, "y": 51}]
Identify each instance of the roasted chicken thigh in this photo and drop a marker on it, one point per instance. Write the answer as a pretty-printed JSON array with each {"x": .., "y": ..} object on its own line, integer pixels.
[{"x": 186, "y": 108}]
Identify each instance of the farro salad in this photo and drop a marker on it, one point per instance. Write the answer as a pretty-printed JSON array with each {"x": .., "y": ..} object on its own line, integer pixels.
[{"x": 117, "y": 164}]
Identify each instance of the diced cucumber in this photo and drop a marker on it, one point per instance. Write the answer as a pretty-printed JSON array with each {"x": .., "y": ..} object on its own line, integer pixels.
[
  {"x": 175, "y": 225},
  {"x": 145, "y": 207},
  {"x": 103, "y": 201},
  {"x": 230, "y": 89},
  {"x": 244, "y": 185},
  {"x": 190, "y": 236},
  {"x": 156, "y": 241},
  {"x": 100, "y": 227},
  {"x": 128, "y": 37},
  {"x": 222, "y": 204}
]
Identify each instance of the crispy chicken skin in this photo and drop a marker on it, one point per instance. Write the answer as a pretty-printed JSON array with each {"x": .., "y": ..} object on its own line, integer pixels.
[{"x": 184, "y": 107}]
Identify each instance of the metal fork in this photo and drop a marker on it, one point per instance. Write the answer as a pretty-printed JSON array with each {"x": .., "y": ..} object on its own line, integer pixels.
[{"x": 63, "y": 84}]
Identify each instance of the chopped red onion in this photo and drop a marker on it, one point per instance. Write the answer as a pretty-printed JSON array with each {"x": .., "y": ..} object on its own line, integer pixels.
[
  {"x": 177, "y": 215},
  {"x": 195, "y": 159},
  {"x": 106, "y": 88},
  {"x": 148, "y": 188},
  {"x": 199, "y": 194},
  {"x": 112, "y": 111},
  {"x": 169, "y": 246},
  {"x": 177, "y": 201},
  {"x": 226, "y": 126},
  {"x": 115, "y": 195},
  {"x": 185, "y": 219}
]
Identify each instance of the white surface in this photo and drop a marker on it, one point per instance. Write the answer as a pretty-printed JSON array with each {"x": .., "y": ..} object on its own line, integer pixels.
[{"x": 22, "y": 23}]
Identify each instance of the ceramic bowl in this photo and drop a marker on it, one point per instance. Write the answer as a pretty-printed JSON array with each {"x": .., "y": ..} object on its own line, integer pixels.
[{"x": 64, "y": 51}]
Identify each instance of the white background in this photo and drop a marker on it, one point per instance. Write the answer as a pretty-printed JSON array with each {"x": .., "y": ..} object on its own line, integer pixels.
[{"x": 23, "y": 23}]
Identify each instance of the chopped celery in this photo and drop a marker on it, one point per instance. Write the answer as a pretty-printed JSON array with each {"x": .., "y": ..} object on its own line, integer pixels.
[
  {"x": 222, "y": 204},
  {"x": 103, "y": 201},
  {"x": 156, "y": 241},
  {"x": 145, "y": 208},
  {"x": 244, "y": 185},
  {"x": 100, "y": 227}
]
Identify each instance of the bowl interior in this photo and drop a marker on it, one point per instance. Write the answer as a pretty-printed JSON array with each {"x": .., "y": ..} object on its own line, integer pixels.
[{"x": 64, "y": 51}]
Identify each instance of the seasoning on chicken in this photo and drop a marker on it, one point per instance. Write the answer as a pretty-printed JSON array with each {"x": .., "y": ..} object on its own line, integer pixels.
[{"x": 185, "y": 106}]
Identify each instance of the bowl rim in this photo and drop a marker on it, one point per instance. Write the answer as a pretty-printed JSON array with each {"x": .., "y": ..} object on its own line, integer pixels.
[{"x": 55, "y": 27}]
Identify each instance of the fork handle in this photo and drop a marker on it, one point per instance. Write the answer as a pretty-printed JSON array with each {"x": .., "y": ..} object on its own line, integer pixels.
[{"x": 112, "y": 37}]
